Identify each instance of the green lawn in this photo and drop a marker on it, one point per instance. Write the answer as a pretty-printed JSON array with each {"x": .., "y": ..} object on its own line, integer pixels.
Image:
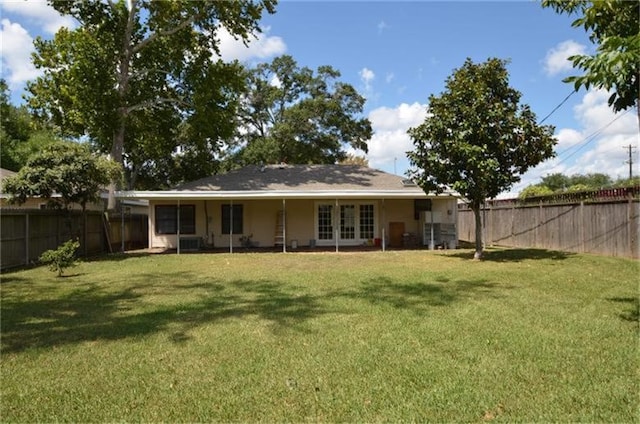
[{"x": 526, "y": 335}]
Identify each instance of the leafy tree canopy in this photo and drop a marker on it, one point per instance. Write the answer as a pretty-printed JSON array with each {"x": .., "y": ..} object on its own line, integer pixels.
[
  {"x": 295, "y": 115},
  {"x": 20, "y": 136},
  {"x": 477, "y": 138},
  {"x": 560, "y": 183},
  {"x": 613, "y": 27},
  {"x": 63, "y": 173},
  {"x": 135, "y": 73}
]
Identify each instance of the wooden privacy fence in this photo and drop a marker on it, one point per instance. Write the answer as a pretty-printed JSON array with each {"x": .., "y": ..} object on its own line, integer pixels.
[
  {"x": 26, "y": 234},
  {"x": 609, "y": 227}
]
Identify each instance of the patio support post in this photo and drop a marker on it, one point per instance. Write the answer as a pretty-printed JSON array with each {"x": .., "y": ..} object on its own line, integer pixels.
[
  {"x": 284, "y": 226},
  {"x": 231, "y": 226},
  {"x": 384, "y": 241},
  {"x": 121, "y": 229},
  {"x": 337, "y": 220},
  {"x": 178, "y": 226},
  {"x": 432, "y": 244}
]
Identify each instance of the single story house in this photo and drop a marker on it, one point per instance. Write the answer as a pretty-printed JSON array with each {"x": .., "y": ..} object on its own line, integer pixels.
[{"x": 294, "y": 206}]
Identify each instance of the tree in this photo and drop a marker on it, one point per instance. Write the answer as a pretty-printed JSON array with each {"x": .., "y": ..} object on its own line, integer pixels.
[
  {"x": 63, "y": 173},
  {"x": 535, "y": 191},
  {"x": 352, "y": 159},
  {"x": 559, "y": 183},
  {"x": 613, "y": 27},
  {"x": 291, "y": 114},
  {"x": 132, "y": 64},
  {"x": 19, "y": 135},
  {"x": 477, "y": 139},
  {"x": 556, "y": 182}
]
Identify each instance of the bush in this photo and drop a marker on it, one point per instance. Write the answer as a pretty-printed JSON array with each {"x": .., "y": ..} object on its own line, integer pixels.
[{"x": 61, "y": 258}]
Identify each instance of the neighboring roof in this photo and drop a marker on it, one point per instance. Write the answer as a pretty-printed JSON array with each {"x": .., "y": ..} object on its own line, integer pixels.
[
  {"x": 293, "y": 181},
  {"x": 4, "y": 173}
]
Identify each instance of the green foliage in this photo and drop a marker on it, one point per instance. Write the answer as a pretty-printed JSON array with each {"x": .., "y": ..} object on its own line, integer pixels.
[
  {"x": 62, "y": 173},
  {"x": 295, "y": 115},
  {"x": 135, "y": 74},
  {"x": 535, "y": 191},
  {"x": 627, "y": 182},
  {"x": 560, "y": 183},
  {"x": 352, "y": 159},
  {"x": 20, "y": 136},
  {"x": 477, "y": 138},
  {"x": 61, "y": 258},
  {"x": 613, "y": 27}
]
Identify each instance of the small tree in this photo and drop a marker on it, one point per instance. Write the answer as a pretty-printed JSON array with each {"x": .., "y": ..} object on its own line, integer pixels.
[
  {"x": 477, "y": 139},
  {"x": 61, "y": 258},
  {"x": 63, "y": 173}
]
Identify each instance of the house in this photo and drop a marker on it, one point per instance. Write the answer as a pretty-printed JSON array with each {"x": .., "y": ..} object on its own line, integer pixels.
[{"x": 294, "y": 206}]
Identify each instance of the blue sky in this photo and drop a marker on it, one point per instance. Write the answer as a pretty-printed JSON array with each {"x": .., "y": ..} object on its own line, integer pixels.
[{"x": 398, "y": 53}]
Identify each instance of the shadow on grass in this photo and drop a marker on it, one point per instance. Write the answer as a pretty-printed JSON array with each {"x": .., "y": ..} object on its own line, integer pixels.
[
  {"x": 177, "y": 303},
  {"x": 515, "y": 255},
  {"x": 419, "y": 297},
  {"x": 632, "y": 312},
  {"x": 92, "y": 312}
]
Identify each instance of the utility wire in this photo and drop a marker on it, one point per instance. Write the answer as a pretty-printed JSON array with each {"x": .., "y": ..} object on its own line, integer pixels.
[
  {"x": 581, "y": 145},
  {"x": 558, "y": 107}
]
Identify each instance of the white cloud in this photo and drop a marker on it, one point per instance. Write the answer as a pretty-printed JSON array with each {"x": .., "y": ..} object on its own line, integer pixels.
[
  {"x": 260, "y": 46},
  {"x": 16, "y": 46},
  {"x": 557, "y": 59},
  {"x": 390, "y": 76},
  {"x": 597, "y": 146},
  {"x": 390, "y": 141},
  {"x": 367, "y": 76},
  {"x": 382, "y": 25},
  {"x": 39, "y": 13}
]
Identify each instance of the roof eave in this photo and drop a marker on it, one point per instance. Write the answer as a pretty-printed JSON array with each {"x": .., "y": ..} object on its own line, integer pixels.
[{"x": 279, "y": 194}]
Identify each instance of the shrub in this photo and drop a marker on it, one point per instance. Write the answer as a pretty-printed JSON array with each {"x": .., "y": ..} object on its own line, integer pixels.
[{"x": 61, "y": 258}]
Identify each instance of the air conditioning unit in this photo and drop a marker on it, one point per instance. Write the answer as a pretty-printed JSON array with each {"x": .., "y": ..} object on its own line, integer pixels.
[{"x": 190, "y": 243}]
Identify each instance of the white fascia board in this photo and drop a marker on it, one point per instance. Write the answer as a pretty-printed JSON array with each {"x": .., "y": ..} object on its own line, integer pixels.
[{"x": 278, "y": 194}]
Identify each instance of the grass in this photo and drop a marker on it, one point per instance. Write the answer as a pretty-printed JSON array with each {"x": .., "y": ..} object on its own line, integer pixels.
[{"x": 526, "y": 335}]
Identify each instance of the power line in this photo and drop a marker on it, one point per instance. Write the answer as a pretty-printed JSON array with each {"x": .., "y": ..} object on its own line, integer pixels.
[
  {"x": 558, "y": 107},
  {"x": 582, "y": 144}
]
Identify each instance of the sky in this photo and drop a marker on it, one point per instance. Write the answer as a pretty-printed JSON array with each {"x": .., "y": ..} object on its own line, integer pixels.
[{"x": 397, "y": 54}]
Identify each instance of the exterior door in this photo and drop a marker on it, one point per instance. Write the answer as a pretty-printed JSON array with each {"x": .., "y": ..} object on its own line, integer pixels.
[{"x": 396, "y": 230}]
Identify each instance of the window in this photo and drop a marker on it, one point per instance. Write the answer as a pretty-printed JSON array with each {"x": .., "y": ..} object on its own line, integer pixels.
[
  {"x": 347, "y": 222},
  {"x": 366, "y": 222},
  {"x": 325, "y": 222},
  {"x": 167, "y": 215},
  {"x": 232, "y": 215},
  {"x": 355, "y": 221}
]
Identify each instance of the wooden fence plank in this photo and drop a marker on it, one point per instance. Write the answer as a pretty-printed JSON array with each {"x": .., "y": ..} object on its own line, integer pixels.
[{"x": 609, "y": 228}]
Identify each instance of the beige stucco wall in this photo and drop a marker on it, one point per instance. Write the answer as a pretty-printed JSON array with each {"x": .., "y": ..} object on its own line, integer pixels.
[
  {"x": 38, "y": 203},
  {"x": 260, "y": 220}
]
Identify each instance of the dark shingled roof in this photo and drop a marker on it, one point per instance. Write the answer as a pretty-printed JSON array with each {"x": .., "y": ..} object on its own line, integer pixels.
[{"x": 306, "y": 178}]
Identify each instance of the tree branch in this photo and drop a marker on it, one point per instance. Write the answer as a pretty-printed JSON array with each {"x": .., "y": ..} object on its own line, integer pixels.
[{"x": 158, "y": 34}]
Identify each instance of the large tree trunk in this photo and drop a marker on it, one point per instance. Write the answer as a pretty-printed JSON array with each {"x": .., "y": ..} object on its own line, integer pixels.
[
  {"x": 116, "y": 155},
  {"x": 476, "y": 213}
]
